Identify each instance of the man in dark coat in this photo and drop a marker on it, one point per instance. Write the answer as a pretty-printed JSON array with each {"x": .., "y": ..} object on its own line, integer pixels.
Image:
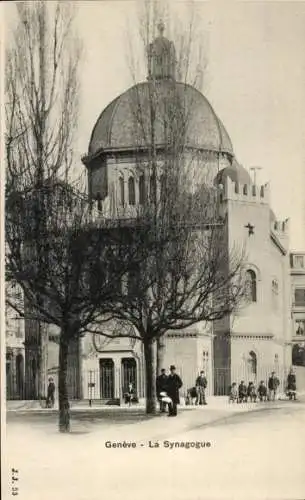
[
  {"x": 51, "y": 392},
  {"x": 174, "y": 383},
  {"x": 201, "y": 384},
  {"x": 161, "y": 382},
  {"x": 273, "y": 384},
  {"x": 291, "y": 385}
]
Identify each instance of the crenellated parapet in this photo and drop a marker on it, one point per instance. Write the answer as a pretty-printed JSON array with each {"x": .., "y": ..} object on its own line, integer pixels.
[
  {"x": 252, "y": 193},
  {"x": 280, "y": 229}
]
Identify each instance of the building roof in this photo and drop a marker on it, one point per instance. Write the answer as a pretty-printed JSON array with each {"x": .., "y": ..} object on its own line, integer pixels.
[
  {"x": 236, "y": 172},
  {"x": 125, "y": 122}
]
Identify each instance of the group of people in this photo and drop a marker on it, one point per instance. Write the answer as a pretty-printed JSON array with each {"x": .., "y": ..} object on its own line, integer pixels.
[
  {"x": 168, "y": 386},
  {"x": 244, "y": 393},
  {"x": 168, "y": 390}
]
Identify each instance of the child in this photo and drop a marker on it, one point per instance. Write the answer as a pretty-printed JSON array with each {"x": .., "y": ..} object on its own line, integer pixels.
[
  {"x": 233, "y": 396},
  {"x": 291, "y": 385},
  {"x": 262, "y": 391},
  {"x": 251, "y": 392},
  {"x": 190, "y": 396},
  {"x": 242, "y": 392}
]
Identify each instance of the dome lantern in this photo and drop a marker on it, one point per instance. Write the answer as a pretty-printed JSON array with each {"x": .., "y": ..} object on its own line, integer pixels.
[{"x": 161, "y": 56}]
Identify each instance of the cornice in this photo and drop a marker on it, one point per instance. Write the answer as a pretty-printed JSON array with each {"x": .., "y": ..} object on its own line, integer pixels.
[
  {"x": 278, "y": 243},
  {"x": 257, "y": 336}
]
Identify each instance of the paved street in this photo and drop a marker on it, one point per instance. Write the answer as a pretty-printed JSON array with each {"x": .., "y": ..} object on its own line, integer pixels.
[{"x": 245, "y": 454}]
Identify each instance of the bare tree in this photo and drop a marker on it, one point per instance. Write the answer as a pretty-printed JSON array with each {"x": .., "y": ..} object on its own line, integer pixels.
[
  {"x": 79, "y": 263},
  {"x": 190, "y": 274},
  {"x": 66, "y": 259},
  {"x": 41, "y": 110}
]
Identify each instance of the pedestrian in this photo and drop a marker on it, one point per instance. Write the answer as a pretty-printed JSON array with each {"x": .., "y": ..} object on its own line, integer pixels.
[
  {"x": 273, "y": 384},
  {"x": 174, "y": 383},
  {"x": 233, "y": 393},
  {"x": 161, "y": 382},
  {"x": 251, "y": 392},
  {"x": 130, "y": 394},
  {"x": 242, "y": 392},
  {"x": 201, "y": 384},
  {"x": 262, "y": 391},
  {"x": 291, "y": 385},
  {"x": 50, "y": 394}
]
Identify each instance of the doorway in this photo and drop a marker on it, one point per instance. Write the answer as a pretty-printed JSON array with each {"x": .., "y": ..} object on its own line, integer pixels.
[{"x": 106, "y": 378}]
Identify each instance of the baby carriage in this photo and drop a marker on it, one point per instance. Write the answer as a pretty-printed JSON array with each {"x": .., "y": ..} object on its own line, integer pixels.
[{"x": 165, "y": 398}]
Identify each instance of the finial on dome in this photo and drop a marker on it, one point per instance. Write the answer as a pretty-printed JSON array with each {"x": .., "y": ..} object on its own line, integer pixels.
[
  {"x": 161, "y": 27},
  {"x": 161, "y": 57}
]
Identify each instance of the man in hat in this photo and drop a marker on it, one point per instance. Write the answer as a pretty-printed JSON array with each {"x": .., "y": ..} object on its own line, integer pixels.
[
  {"x": 51, "y": 391},
  {"x": 273, "y": 384},
  {"x": 161, "y": 382},
  {"x": 174, "y": 383}
]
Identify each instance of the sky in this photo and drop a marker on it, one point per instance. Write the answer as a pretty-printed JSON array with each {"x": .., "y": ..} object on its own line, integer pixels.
[{"x": 254, "y": 79}]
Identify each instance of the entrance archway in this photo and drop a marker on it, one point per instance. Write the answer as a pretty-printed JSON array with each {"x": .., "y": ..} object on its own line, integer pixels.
[
  {"x": 129, "y": 373},
  {"x": 107, "y": 378}
]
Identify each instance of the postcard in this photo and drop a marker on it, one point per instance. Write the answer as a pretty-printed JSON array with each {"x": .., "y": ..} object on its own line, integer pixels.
[{"x": 153, "y": 250}]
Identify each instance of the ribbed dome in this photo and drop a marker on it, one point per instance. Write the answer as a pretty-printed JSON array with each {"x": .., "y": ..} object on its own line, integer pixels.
[
  {"x": 236, "y": 172},
  {"x": 125, "y": 122}
]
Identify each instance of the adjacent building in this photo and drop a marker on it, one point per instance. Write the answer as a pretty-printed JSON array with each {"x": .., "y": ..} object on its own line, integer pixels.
[{"x": 297, "y": 273}]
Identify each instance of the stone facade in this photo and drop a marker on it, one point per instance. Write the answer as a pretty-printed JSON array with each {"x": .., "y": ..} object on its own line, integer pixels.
[{"x": 258, "y": 335}]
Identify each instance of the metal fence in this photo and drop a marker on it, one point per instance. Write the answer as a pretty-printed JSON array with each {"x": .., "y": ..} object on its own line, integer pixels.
[
  {"x": 224, "y": 377},
  {"x": 107, "y": 383},
  {"x": 26, "y": 385}
]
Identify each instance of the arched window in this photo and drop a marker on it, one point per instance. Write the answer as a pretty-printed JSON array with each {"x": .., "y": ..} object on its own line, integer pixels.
[
  {"x": 275, "y": 293},
  {"x": 131, "y": 191},
  {"x": 121, "y": 191},
  {"x": 251, "y": 285},
  {"x": 253, "y": 363},
  {"x": 245, "y": 190},
  {"x": 142, "y": 193}
]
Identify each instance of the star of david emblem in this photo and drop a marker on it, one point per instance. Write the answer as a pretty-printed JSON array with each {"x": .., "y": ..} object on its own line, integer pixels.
[{"x": 250, "y": 228}]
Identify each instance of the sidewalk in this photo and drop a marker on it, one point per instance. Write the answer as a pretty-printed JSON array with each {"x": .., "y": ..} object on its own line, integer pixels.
[{"x": 214, "y": 403}]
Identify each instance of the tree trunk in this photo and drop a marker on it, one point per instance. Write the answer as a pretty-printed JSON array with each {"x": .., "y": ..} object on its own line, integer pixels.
[
  {"x": 150, "y": 372},
  {"x": 64, "y": 407},
  {"x": 160, "y": 355}
]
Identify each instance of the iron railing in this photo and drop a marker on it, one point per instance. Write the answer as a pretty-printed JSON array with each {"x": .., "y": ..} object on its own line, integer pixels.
[{"x": 108, "y": 383}]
